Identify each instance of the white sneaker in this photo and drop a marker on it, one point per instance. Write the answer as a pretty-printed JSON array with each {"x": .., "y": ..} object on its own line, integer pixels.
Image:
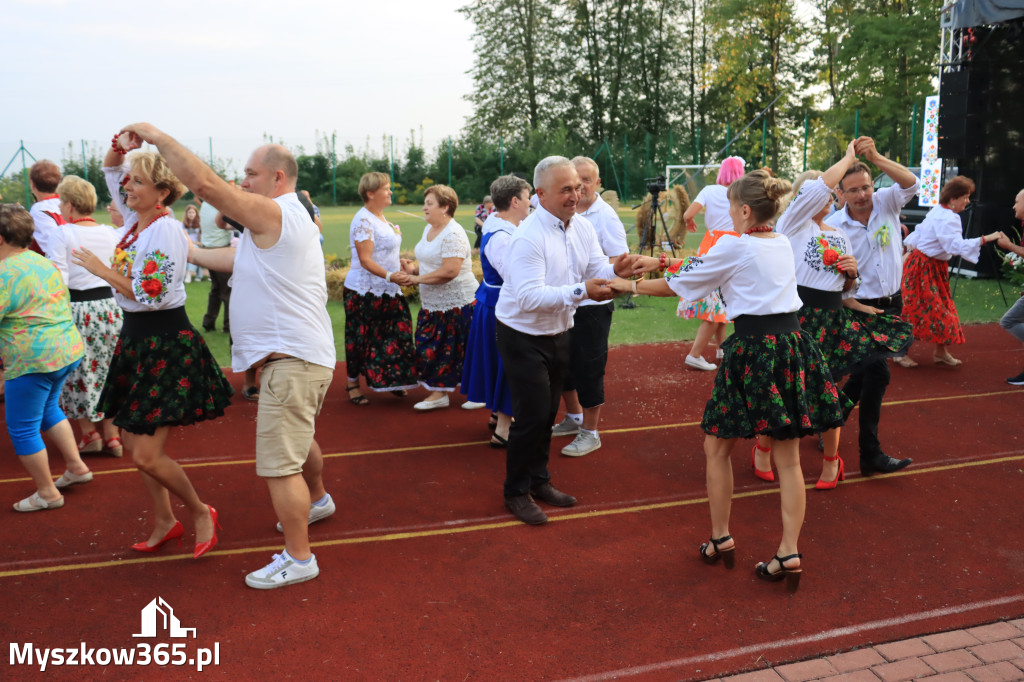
[
  {"x": 283, "y": 570},
  {"x": 470, "y": 405},
  {"x": 566, "y": 427},
  {"x": 700, "y": 363},
  {"x": 432, "y": 404},
  {"x": 316, "y": 513},
  {"x": 583, "y": 444},
  {"x": 719, "y": 354}
]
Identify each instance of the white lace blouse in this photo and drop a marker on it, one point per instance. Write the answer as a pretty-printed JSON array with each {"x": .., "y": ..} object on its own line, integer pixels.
[
  {"x": 387, "y": 243},
  {"x": 450, "y": 243}
]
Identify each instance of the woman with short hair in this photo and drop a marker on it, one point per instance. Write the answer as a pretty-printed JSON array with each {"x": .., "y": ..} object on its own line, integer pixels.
[
  {"x": 162, "y": 374},
  {"x": 927, "y": 301},
  {"x": 447, "y": 293},
  {"x": 378, "y": 324},
  {"x": 96, "y": 314},
  {"x": 40, "y": 347}
]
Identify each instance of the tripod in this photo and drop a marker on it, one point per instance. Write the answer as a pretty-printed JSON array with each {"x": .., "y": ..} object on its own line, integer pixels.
[{"x": 648, "y": 228}]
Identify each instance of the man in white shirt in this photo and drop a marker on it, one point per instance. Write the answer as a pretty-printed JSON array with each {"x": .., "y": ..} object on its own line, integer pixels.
[
  {"x": 871, "y": 220},
  {"x": 588, "y": 338},
  {"x": 280, "y": 324},
  {"x": 554, "y": 263},
  {"x": 43, "y": 178}
]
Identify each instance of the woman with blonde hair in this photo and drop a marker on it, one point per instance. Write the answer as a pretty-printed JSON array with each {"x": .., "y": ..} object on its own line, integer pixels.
[
  {"x": 447, "y": 293},
  {"x": 773, "y": 378},
  {"x": 378, "y": 324},
  {"x": 162, "y": 374},
  {"x": 97, "y": 315}
]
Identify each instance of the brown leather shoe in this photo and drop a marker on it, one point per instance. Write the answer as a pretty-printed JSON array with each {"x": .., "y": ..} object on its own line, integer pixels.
[
  {"x": 526, "y": 510},
  {"x": 556, "y": 498}
]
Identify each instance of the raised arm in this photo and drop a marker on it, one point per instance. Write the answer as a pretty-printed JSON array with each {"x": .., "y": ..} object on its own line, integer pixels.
[{"x": 865, "y": 146}]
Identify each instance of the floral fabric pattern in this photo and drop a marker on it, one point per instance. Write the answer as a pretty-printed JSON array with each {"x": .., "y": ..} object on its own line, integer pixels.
[
  {"x": 157, "y": 271},
  {"x": 777, "y": 385},
  {"x": 927, "y": 302},
  {"x": 378, "y": 341},
  {"x": 849, "y": 339},
  {"x": 99, "y": 323},
  {"x": 441, "y": 346}
]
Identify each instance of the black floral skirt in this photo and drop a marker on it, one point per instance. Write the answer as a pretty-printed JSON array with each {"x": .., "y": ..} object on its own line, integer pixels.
[
  {"x": 162, "y": 374},
  {"x": 849, "y": 339},
  {"x": 441, "y": 346},
  {"x": 378, "y": 341},
  {"x": 775, "y": 385}
]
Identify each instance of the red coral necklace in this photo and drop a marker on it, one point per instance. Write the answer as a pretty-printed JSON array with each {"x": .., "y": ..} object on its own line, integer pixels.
[{"x": 131, "y": 237}]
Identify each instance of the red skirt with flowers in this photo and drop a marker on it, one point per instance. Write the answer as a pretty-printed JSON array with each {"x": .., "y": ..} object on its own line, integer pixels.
[
  {"x": 378, "y": 341},
  {"x": 776, "y": 385},
  {"x": 162, "y": 374},
  {"x": 441, "y": 346},
  {"x": 927, "y": 301}
]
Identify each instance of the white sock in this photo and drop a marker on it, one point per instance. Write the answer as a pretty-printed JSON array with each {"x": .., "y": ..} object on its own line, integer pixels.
[
  {"x": 304, "y": 562},
  {"x": 322, "y": 501},
  {"x": 578, "y": 418},
  {"x": 589, "y": 432}
]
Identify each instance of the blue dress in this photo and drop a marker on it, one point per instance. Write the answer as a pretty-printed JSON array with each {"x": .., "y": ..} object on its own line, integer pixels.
[{"x": 483, "y": 376}]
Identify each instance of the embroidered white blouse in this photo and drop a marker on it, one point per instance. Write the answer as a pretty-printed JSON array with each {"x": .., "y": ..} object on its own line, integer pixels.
[
  {"x": 155, "y": 262},
  {"x": 756, "y": 275},
  {"x": 815, "y": 251},
  {"x": 387, "y": 243},
  {"x": 941, "y": 236},
  {"x": 451, "y": 242}
]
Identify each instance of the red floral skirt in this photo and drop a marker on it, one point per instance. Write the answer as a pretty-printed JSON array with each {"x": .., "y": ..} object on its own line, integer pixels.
[
  {"x": 378, "y": 341},
  {"x": 927, "y": 301}
]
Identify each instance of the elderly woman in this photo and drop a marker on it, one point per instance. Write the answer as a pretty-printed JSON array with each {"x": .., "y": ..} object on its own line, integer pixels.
[
  {"x": 710, "y": 310},
  {"x": 483, "y": 376},
  {"x": 97, "y": 316},
  {"x": 378, "y": 325},
  {"x": 447, "y": 292},
  {"x": 927, "y": 302},
  {"x": 162, "y": 374},
  {"x": 40, "y": 347}
]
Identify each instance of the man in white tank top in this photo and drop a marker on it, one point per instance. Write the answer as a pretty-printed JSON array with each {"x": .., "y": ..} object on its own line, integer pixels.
[{"x": 279, "y": 322}]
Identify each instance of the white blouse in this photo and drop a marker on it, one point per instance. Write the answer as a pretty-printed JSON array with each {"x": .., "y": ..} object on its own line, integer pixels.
[
  {"x": 715, "y": 200},
  {"x": 815, "y": 251},
  {"x": 387, "y": 243},
  {"x": 756, "y": 275},
  {"x": 497, "y": 245},
  {"x": 941, "y": 236},
  {"x": 155, "y": 262},
  {"x": 451, "y": 242},
  {"x": 100, "y": 239}
]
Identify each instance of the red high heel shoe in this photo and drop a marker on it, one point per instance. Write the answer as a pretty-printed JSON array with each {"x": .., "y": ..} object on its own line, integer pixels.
[
  {"x": 174, "y": 533},
  {"x": 204, "y": 547},
  {"x": 841, "y": 476},
  {"x": 763, "y": 475}
]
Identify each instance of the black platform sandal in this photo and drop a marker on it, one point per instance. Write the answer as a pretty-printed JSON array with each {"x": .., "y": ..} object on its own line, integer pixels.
[
  {"x": 358, "y": 398},
  {"x": 728, "y": 556},
  {"x": 792, "y": 575}
]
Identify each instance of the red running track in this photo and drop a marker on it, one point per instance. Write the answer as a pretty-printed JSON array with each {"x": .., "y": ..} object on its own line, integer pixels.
[{"x": 425, "y": 576}]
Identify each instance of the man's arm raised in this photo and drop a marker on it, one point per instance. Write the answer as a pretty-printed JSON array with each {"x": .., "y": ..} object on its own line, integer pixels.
[
  {"x": 259, "y": 214},
  {"x": 865, "y": 146}
]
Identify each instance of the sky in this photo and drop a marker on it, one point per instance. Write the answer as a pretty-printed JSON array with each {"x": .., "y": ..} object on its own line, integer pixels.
[{"x": 73, "y": 70}]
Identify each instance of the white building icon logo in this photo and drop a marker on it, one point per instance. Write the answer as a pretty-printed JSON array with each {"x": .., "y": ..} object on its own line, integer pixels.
[{"x": 158, "y": 615}]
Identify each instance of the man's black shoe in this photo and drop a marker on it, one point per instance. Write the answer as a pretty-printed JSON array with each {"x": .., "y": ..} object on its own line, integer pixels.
[
  {"x": 883, "y": 464},
  {"x": 208, "y": 329},
  {"x": 1017, "y": 380},
  {"x": 556, "y": 498},
  {"x": 526, "y": 510}
]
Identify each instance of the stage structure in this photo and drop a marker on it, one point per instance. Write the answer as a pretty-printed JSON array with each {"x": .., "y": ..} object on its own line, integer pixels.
[{"x": 981, "y": 112}]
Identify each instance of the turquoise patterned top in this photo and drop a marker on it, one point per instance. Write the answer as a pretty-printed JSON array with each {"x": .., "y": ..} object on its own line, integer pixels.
[{"x": 37, "y": 334}]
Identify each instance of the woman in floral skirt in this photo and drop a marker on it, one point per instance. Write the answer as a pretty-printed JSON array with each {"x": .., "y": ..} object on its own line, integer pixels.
[
  {"x": 927, "y": 301},
  {"x": 848, "y": 333},
  {"x": 96, "y": 313},
  {"x": 162, "y": 374},
  {"x": 773, "y": 379}
]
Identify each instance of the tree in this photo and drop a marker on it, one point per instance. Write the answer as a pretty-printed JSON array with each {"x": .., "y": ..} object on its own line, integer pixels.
[{"x": 92, "y": 169}]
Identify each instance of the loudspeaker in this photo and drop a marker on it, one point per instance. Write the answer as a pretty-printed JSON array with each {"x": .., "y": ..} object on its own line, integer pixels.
[{"x": 962, "y": 100}]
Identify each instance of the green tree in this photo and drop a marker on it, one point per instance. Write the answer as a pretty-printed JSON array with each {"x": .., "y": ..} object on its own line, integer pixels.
[{"x": 91, "y": 170}]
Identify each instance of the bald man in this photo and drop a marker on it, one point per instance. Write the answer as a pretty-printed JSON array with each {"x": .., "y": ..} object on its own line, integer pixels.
[{"x": 279, "y": 322}]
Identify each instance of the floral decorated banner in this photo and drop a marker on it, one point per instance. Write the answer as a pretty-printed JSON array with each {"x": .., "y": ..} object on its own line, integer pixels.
[{"x": 931, "y": 164}]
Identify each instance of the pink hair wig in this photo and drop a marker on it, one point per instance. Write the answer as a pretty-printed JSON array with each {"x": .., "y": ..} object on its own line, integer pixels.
[{"x": 731, "y": 170}]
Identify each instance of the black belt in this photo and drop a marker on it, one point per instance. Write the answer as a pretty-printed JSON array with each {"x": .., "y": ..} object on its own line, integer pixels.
[
  {"x": 97, "y": 294},
  {"x": 155, "y": 323},
  {"x": 817, "y": 298},
  {"x": 761, "y": 325},
  {"x": 883, "y": 301}
]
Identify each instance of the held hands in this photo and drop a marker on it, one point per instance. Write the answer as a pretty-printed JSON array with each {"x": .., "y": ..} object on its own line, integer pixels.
[
  {"x": 402, "y": 279},
  {"x": 620, "y": 285},
  {"x": 865, "y": 146},
  {"x": 132, "y": 136},
  {"x": 408, "y": 266},
  {"x": 1004, "y": 243},
  {"x": 998, "y": 237},
  {"x": 598, "y": 289},
  {"x": 851, "y": 150},
  {"x": 631, "y": 264}
]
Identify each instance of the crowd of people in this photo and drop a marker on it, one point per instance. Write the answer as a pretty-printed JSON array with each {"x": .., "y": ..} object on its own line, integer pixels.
[{"x": 93, "y": 328}]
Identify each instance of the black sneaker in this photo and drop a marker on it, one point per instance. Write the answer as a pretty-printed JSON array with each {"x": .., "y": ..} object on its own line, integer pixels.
[{"x": 1017, "y": 380}]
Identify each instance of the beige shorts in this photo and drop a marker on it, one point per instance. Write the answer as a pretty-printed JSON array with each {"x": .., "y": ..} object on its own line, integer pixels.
[{"x": 292, "y": 391}]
